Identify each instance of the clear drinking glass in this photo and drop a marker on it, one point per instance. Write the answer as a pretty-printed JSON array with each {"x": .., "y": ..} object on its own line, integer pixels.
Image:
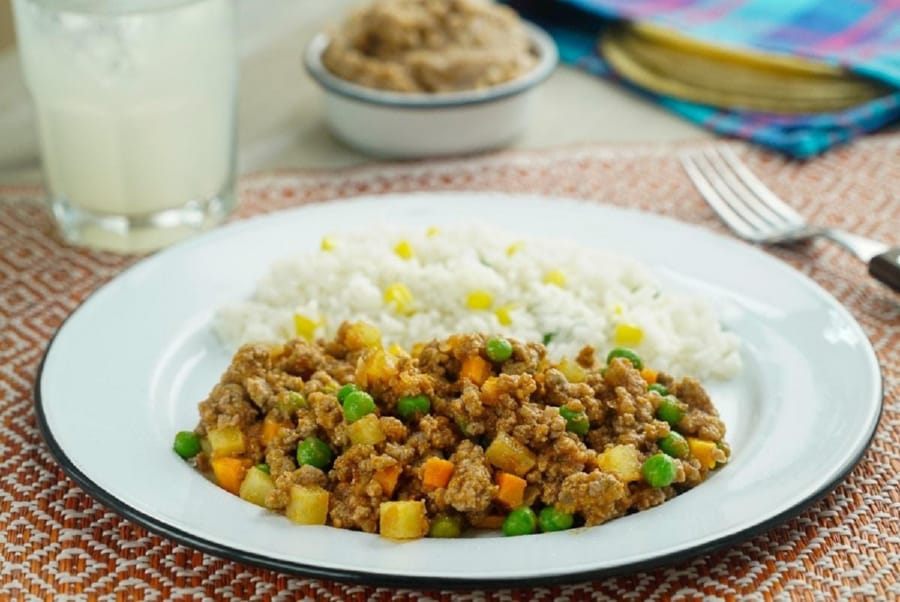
[{"x": 135, "y": 104}]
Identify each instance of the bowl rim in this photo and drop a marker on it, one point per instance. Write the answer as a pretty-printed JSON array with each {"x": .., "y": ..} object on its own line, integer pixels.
[{"x": 548, "y": 58}]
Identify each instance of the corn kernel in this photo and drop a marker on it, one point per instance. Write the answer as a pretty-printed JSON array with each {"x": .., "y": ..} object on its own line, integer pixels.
[
  {"x": 628, "y": 335},
  {"x": 305, "y": 327},
  {"x": 404, "y": 250},
  {"x": 399, "y": 296},
  {"x": 479, "y": 299},
  {"x": 555, "y": 277},
  {"x": 396, "y": 350},
  {"x": 432, "y": 231},
  {"x": 515, "y": 248},
  {"x": 328, "y": 243},
  {"x": 503, "y": 314}
]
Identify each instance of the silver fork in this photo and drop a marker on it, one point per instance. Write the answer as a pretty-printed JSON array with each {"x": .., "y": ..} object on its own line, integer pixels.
[{"x": 754, "y": 212}]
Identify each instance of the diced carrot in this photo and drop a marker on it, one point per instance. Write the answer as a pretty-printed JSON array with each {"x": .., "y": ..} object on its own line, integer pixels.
[
  {"x": 270, "y": 428},
  {"x": 649, "y": 374},
  {"x": 229, "y": 473},
  {"x": 387, "y": 478},
  {"x": 476, "y": 369},
  {"x": 511, "y": 490},
  {"x": 490, "y": 521},
  {"x": 490, "y": 391},
  {"x": 436, "y": 472}
]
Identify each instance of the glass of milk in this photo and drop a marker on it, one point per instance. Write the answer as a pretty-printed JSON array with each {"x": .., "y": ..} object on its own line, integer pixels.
[{"x": 135, "y": 105}]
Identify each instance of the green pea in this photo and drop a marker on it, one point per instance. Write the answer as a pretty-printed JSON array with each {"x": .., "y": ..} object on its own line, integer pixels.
[
  {"x": 551, "y": 519},
  {"x": 498, "y": 349},
  {"x": 358, "y": 404},
  {"x": 462, "y": 424},
  {"x": 264, "y": 467},
  {"x": 445, "y": 526},
  {"x": 344, "y": 391},
  {"x": 576, "y": 422},
  {"x": 670, "y": 410},
  {"x": 520, "y": 521},
  {"x": 661, "y": 389},
  {"x": 292, "y": 402},
  {"x": 628, "y": 354},
  {"x": 187, "y": 444},
  {"x": 407, "y": 407},
  {"x": 659, "y": 470},
  {"x": 675, "y": 445},
  {"x": 313, "y": 451}
]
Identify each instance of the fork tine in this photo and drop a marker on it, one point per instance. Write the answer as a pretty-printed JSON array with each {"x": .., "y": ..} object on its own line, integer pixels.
[
  {"x": 720, "y": 197},
  {"x": 744, "y": 200},
  {"x": 769, "y": 199}
]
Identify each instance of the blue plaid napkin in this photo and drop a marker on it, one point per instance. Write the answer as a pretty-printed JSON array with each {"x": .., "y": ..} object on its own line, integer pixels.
[{"x": 862, "y": 35}]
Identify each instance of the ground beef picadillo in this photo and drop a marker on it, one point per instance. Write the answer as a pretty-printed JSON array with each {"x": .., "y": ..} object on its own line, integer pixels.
[
  {"x": 273, "y": 396},
  {"x": 429, "y": 46}
]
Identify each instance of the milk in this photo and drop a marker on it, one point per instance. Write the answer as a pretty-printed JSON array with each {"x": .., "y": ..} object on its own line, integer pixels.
[{"x": 134, "y": 100}]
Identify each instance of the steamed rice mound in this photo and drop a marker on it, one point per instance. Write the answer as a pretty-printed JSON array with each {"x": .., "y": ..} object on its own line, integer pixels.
[{"x": 420, "y": 284}]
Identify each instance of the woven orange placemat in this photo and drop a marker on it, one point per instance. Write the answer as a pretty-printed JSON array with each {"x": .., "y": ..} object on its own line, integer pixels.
[{"x": 59, "y": 543}]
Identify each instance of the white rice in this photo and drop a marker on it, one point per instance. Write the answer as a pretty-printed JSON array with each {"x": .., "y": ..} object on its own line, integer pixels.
[{"x": 680, "y": 334}]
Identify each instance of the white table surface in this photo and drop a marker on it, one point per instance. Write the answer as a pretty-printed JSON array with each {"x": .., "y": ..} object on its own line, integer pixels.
[{"x": 280, "y": 117}]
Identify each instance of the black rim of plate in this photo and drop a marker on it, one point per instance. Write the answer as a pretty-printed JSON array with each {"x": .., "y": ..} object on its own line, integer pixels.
[
  {"x": 547, "y": 61},
  {"x": 363, "y": 577}
]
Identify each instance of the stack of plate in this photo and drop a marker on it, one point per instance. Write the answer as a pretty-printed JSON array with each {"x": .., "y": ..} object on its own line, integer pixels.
[{"x": 671, "y": 64}]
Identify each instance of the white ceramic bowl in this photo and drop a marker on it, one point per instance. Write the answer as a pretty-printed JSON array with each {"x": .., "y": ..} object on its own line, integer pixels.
[{"x": 411, "y": 125}]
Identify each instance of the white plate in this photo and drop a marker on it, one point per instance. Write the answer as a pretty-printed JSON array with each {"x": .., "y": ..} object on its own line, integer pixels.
[{"x": 126, "y": 370}]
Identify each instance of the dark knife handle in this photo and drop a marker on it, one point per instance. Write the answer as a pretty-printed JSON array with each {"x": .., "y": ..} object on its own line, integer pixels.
[{"x": 886, "y": 267}]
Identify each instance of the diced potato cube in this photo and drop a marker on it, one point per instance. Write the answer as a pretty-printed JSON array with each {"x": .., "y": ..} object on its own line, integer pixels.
[
  {"x": 308, "y": 505},
  {"x": 623, "y": 461},
  {"x": 362, "y": 335},
  {"x": 256, "y": 486},
  {"x": 226, "y": 441},
  {"x": 375, "y": 366},
  {"x": 508, "y": 454},
  {"x": 366, "y": 430},
  {"x": 703, "y": 450},
  {"x": 573, "y": 372},
  {"x": 402, "y": 520}
]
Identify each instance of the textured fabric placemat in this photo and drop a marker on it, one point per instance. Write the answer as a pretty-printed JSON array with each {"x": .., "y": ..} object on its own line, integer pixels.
[{"x": 57, "y": 543}]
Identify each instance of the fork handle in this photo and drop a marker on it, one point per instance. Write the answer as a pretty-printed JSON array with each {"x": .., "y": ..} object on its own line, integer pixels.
[{"x": 886, "y": 267}]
